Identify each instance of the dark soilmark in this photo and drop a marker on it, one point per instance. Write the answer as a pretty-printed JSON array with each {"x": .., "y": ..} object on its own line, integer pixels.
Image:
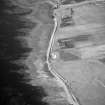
[
  {"x": 67, "y": 24},
  {"x": 102, "y": 60},
  {"x": 66, "y": 19},
  {"x": 66, "y": 44},
  {"x": 81, "y": 38},
  {"x": 65, "y": 2},
  {"x": 68, "y": 56}
]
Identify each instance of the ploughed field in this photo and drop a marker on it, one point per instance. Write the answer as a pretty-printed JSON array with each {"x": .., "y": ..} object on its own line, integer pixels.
[{"x": 86, "y": 71}]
